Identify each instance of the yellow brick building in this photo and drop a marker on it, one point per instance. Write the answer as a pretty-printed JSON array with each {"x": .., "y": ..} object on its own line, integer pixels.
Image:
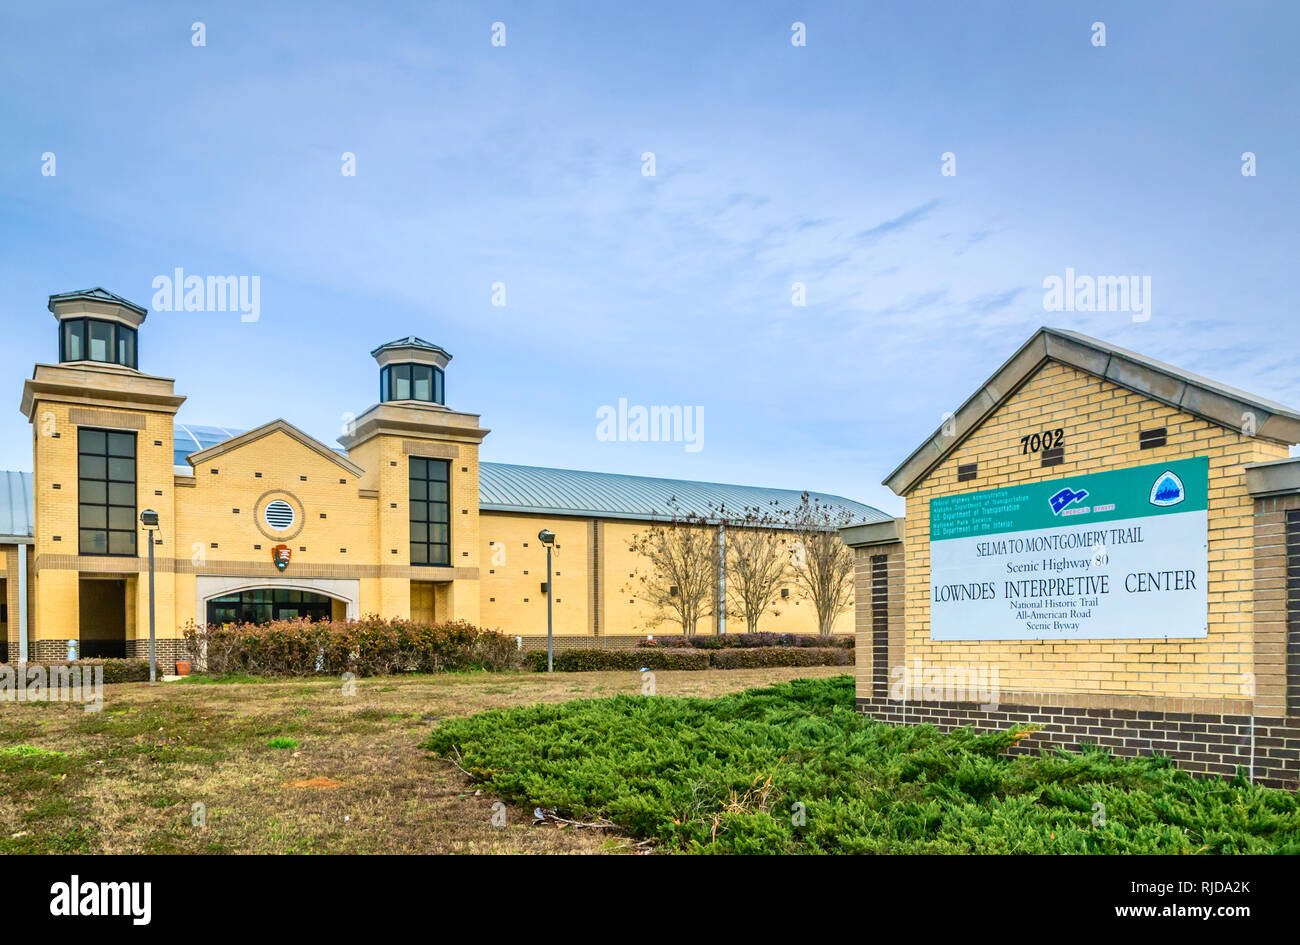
[
  {"x": 1195, "y": 689},
  {"x": 401, "y": 520}
]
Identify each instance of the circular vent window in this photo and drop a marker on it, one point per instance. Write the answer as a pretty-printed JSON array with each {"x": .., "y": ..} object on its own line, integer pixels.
[{"x": 278, "y": 514}]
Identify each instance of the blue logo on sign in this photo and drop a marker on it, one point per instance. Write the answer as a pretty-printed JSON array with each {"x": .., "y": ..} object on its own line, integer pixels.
[
  {"x": 1066, "y": 496},
  {"x": 1168, "y": 490}
]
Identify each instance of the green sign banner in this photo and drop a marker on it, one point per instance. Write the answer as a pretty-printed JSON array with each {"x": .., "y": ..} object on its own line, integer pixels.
[{"x": 1098, "y": 497}]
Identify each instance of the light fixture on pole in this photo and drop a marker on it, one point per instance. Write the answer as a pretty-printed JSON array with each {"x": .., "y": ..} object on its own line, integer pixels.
[
  {"x": 547, "y": 538},
  {"x": 149, "y": 519}
]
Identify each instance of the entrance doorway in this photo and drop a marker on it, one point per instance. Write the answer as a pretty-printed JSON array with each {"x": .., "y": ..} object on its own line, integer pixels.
[
  {"x": 266, "y": 604},
  {"x": 102, "y": 630}
]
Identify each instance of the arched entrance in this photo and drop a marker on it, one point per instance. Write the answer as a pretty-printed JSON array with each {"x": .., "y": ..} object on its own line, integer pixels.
[
  {"x": 259, "y": 599},
  {"x": 264, "y": 604}
]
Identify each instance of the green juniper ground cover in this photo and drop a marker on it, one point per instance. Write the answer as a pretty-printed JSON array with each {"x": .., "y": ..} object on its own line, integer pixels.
[{"x": 725, "y": 775}]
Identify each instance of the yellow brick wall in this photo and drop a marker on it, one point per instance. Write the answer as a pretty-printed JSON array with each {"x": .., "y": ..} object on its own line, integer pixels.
[
  {"x": 222, "y": 507},
  {"x": 514, "y": 568},
  {"x": 56, "y": 598},
  {"x": 387, "y": 469},
  {"x": 209, "y": 526},
  {"x": 218, "y": 516},
  {"x": 464, "y": 595},
  {"x": 625, "y": 613},
  {"x": 1101, "y": 423},
  {"x": 505, "y": 585}
]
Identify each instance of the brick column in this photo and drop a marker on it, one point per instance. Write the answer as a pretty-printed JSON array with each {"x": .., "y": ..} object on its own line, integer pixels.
[
  {"x": 878, "y": 604},
  {"x": 1276, "y": 579},
  {"x": 1270, "y": 605}
]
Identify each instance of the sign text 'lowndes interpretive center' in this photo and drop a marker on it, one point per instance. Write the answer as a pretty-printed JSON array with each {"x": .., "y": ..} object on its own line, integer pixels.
[{"x": 1112, "y": 555}]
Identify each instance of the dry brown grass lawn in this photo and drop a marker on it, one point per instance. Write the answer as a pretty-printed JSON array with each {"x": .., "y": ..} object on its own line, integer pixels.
[{"x": 350, "y": 779}]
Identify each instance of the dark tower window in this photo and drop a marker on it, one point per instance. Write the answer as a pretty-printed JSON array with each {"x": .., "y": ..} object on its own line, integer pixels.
[
  {"x": 411, "y": 382},
  {"x": 106, "y": 492},
  {"x": 91, "y": 339},
  {"x": 430, "y": 535}
]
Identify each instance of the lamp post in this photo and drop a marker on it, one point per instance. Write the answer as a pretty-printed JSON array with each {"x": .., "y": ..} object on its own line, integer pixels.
[
  {"x": 547, "y": 538},
  {"x": 149, "y": 519}
]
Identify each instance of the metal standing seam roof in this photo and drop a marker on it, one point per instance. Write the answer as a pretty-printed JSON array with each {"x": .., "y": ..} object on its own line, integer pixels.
[
  {"x": 411, "y": 341},
  {"x": 98, "y": 294},
  {"x": 505, "y": 487},
  {"x": 17, "y": 505}
]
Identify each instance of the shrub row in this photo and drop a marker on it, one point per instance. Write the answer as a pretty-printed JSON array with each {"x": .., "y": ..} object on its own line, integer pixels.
[
  {"x": 576, "y": 661},
  {"x": 115, "y": 670},
  {"x": 751, "y": 640},
  {"x": 758, "y": 657},
  {"x": 371, "y": 646}
]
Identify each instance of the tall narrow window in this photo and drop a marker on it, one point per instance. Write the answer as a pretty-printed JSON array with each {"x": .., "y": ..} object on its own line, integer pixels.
[
  {"x": 125, "y": 346},
  {"x": 106, "y": 492},
  {"x": 401, "y": 381},
  {"x": 421, "y": 382},
  {"x": 430, "y": 527},
  {"x": 99, "y": 342},
  {"x": 74, "y": 340}
]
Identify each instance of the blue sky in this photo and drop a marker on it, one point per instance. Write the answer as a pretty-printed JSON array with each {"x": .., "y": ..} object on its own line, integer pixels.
[{"x": 775, "y": 164}]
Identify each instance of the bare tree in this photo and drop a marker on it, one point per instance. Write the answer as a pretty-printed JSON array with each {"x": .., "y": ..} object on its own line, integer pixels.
[
  {"x": 682, "y": 578},
  {"x": 757, "y": 564},
  {"x": 822, "y": 564}
]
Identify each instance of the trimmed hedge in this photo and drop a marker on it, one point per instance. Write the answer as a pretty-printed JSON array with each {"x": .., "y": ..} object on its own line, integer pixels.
[
  {"x": 747, "y": 640},
  {"x": 589, "y": 660},
  {"x": 371, "y": 646},
  {"x": 579, "y": 661},
  {"x": 757, "y": 657},
  {"x": 115, "y": 670}
]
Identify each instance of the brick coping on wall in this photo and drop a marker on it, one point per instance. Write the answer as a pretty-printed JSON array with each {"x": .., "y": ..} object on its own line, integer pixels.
[{"x": 1201, "y": 743}]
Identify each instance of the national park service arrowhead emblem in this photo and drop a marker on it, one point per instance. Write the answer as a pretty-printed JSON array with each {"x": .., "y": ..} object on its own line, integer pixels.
[{"x": 281, "y": 554}]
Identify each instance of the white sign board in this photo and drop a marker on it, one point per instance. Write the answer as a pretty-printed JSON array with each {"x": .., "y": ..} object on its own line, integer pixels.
[{"x": 1106, "y": 556}]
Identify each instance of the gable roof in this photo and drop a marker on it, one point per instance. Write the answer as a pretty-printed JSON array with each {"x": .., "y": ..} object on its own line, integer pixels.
[
  {"x": 1191, "y": 393},
  {"x": 267, "y": 429},
  {"x": 97, "y": 294}
]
